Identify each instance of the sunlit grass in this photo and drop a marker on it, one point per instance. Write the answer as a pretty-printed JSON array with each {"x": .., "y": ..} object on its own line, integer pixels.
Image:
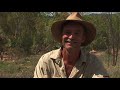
[{"x": 24, "y": 67}]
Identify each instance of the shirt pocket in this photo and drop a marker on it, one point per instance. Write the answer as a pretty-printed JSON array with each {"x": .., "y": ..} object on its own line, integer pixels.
[{"x": 56, "y": 76}]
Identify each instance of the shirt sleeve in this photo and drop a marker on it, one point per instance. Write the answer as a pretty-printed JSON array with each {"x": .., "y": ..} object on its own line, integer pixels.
[
  {"x": 99, "y": 70},
  {"x": 41, "y": 69}
]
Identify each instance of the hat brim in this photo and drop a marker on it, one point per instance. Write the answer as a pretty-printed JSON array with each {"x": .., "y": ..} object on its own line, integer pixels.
[{"x": 90, "y": 34}]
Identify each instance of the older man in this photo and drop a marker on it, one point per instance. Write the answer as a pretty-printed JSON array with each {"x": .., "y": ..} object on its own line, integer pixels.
[{"x": 70, "y": 61}]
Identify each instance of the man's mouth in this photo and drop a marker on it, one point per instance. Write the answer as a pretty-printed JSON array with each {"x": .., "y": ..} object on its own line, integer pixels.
[{"x": 70, "y": 41}]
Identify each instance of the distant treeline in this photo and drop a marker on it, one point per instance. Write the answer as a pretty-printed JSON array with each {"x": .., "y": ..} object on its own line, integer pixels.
[{"x": 29, "y": 32}]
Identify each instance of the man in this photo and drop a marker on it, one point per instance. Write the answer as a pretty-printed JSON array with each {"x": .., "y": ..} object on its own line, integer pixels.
[{"x": 70, "y": 61}]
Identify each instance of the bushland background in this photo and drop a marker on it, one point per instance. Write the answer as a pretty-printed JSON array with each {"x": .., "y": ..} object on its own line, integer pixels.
[{"x": 25, "y": 36}]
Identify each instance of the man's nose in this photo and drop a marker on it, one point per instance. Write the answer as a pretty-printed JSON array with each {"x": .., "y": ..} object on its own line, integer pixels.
[{"x": 71, "y": 36}]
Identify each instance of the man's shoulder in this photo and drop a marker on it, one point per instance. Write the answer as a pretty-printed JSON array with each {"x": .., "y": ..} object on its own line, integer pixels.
[
  {"x": 94, "y": 59},
  {"x": 49, "y": 55},
  {"x": 51, "y": 52},
  {"x": 88, "y": 54},
  {"x": 91, "y": 56}
]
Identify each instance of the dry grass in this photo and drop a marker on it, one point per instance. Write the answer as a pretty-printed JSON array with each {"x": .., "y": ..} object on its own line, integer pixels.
[{"x": 24, "y": 67}]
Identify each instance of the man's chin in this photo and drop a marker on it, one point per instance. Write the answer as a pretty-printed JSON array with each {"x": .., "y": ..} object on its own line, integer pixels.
[
  {"x": 68, "y": 47},
  {"x": 71, "y": 47}
]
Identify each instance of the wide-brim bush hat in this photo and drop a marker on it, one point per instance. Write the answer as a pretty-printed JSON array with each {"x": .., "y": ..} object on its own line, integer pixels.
[{"x": 90, "y": 30}]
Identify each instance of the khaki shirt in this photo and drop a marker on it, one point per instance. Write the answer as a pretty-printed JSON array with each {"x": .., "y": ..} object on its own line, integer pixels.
[{"x": 51, "y": 65}]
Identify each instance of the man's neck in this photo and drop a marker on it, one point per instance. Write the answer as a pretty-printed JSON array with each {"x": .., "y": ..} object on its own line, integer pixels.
[{"x": 70, "y": 56}]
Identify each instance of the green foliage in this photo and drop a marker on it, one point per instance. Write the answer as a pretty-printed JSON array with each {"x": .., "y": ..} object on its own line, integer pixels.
[
  {"x": 31, "y": 31},
  {"x": 101, "y": 22},
  {"x": 25, "y": 33},
  {"x": 26, "y": 43}
]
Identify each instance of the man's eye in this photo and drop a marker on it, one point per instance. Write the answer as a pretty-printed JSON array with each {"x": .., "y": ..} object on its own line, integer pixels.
[
  {"x": 67, "y": 32},
  {"x": 76, "y": 33}
]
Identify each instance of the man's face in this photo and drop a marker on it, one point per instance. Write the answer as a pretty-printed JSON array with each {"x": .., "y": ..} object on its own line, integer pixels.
[{"x": 72, "y": 36}]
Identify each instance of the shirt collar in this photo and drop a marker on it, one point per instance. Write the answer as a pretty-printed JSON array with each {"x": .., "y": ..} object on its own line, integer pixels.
[
  {"x": 56, "y": 55},
  {"x": 83, "y": 56}
]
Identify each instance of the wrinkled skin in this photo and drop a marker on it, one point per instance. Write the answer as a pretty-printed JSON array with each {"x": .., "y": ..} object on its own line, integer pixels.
[{"x": 72, "y": 37}]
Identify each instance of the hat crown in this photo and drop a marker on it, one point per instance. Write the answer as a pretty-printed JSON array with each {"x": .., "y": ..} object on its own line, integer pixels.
[{"x": 74, "y": 16}]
